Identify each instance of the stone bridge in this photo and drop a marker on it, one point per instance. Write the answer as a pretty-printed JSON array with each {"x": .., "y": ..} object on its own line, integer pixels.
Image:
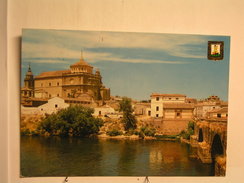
[{"x": 209, "y": 141}]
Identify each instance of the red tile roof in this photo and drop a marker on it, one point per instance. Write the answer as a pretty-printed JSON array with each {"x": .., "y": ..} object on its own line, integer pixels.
[
  {"x": 80, "y": 62},
  {"x": 52, "y": 73},
  {"x": 167, "y": 95},
  {"x": 178, "y": 105}
]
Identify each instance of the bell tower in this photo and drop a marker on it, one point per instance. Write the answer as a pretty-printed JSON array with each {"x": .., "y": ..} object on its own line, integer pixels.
[
  {"x": 29, "y": 79},
  {"x": 28, "y": 90}
]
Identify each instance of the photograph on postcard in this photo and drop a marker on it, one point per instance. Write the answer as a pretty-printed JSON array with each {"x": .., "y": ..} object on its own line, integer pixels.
[{"x": 96, "y": 103}]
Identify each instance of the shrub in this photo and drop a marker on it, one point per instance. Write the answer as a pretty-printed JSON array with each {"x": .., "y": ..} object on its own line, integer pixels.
[
  {"x": 114, "y": 132},
  {"x": 167, "y": 136},
  {"x": 191, "y": 125},
  {"x": 190, "y": 131},
  {"x": 131, "y": 132},
  {"x": 25, "y": 132},
  {"x": 148, "y": 131},
  {"x": 141, "y": 134}
]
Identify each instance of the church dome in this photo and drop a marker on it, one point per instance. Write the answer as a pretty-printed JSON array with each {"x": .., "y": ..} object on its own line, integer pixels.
[
  {"x": 81, "y": 62},
  {"x": 81, "y": 66}
]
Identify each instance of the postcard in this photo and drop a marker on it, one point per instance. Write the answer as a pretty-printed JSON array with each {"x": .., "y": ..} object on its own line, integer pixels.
[{"x": 96, "y": 103}]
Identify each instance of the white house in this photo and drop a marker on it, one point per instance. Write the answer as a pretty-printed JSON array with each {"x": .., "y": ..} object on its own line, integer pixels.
[
  {"x": 103, "y": 110},
  {"x": 53, "y": 105},
  {"x": 158, "y": 100}
]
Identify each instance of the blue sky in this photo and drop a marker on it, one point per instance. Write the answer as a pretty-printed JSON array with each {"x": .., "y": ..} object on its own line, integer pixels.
[{"x": 133, "y": 64}]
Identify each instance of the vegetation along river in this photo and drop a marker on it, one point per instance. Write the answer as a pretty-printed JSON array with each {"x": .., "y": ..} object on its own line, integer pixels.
[{"x": 66, "y": 156}]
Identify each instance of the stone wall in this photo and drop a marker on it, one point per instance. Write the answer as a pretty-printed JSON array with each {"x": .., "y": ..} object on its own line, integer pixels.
[{"x": 170, "y": 127}]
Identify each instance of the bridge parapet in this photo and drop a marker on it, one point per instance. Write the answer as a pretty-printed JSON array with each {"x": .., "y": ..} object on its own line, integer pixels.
[
  {"x": 206, "y": 131},
  {"x": 194, "y": 140},
  {"x": 204, "y": 152}
]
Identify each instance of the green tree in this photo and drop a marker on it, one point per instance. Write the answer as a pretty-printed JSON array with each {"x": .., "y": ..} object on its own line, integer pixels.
[
  {"x": 74, "y": 120},
  {"x": 128, "y": 119},
  {"x": 190, "y": 131}
]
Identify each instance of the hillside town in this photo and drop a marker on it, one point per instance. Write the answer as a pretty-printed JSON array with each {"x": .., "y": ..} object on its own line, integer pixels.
[{"x": 169, "y": 114}]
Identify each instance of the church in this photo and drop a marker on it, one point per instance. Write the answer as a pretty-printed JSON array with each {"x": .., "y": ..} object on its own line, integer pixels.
[{"x": 76, "y": 85}]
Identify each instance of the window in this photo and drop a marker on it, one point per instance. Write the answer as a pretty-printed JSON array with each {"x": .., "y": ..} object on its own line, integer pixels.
[
  {"x": 57, "y": 83},
  {"x": 56, "y": 105},
  {"x": 149, "y": 113},
  {"x": 169, "y": 98},
  {"x": 157, "y": 108},
  {"x": 57, "y": 95},
  {"x": 49, "y": 84},
  {"x": 178, "y": 114},
  {"x": 219, "y": 115},
  {"x": 100, "y": 112},
  {"x": 177, "y": 98},
  {"x": 157, "y": 98},
  {"x": 157, "y": 115}
]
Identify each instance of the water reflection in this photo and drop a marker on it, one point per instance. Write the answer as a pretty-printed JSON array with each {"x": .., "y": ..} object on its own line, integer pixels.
[{"x": 55, "y": 156}]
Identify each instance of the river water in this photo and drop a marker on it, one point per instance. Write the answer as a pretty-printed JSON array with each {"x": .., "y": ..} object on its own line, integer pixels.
[{"x": 56, "y": 156}]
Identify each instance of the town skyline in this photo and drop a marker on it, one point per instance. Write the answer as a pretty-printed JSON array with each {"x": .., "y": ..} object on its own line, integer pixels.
[{"x": 142, "y": 63}]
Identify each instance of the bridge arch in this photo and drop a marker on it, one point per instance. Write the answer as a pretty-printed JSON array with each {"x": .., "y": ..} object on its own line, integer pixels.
[
  {"x": 217, "y": 147},
  {"x": 200, "y": 135}
]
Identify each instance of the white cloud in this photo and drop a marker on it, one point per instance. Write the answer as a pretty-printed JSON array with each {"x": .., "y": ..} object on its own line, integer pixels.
[
  {"x": 61, "y": 44},
  {"x": 95, "y": 57},
  {"x": 91, "y": 57},
  {"x": 41, "y": 50},
  {"x": 46, "y": 61}
]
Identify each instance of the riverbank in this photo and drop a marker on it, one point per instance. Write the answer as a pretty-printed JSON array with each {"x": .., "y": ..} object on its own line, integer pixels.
[
  {"x": 111, "y": 129},
  {"x": 130, "y": 137}
]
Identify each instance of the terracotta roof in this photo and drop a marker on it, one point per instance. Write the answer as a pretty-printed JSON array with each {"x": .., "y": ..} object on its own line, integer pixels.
[
  {"x": 178, "y": 105},
  {"x": 222, "y": 110},
  {"x": 52, "y": 73},
  {"x": 167, "y": 95},
  {"x": 80, "y": 62},
  {"x": 207, "y": 104}
]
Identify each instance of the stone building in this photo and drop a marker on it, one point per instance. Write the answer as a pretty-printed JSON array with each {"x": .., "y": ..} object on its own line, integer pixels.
[
  {"x": 221, "y": 113},
  {"x": 141, "y": 108},
  {"x": 158, "y": 101},
  {"x": 103, "y": 110},
  {"x": 170, "y": 113},
  {"x": 181, "y": 111},
  {"x": 78, "y": 82},
  {"x": 207, "y": 105}
]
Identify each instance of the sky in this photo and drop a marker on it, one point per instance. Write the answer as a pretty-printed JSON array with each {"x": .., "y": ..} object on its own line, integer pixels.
[{"x": 133, "y": 64}]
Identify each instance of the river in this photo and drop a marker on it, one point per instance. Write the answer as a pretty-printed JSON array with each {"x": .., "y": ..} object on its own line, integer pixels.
[{"x": 56, "y": 156}]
